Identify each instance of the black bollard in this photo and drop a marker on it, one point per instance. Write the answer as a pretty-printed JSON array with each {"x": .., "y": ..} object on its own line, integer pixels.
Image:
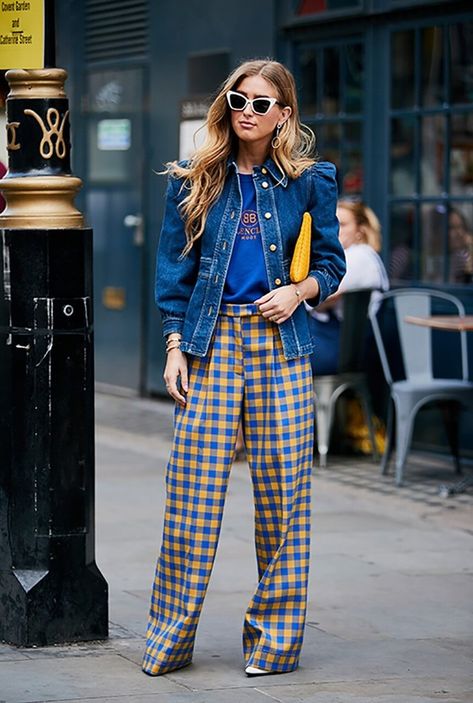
[{"x": 51, "y": 590}]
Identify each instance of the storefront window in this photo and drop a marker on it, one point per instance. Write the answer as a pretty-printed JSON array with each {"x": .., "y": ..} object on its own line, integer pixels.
[
  {"x": 330, "y": 82},
  {"x": 352, "y": 183},
  {"x": 113, "y": 125},
  {"x": 331, "y": 93},
  {"x": 403, "y": 171},
  {"x": 460, "y": 45},
  {"x": 402, "y": 69},
  {"x": 461, "y": 154},
  {"x": 433, "y": 66},
  {"x": 401, "y": 264},
  {"x": 353, "y": 56},
  {"x": 308, "y": 80},
  {"x": 431, "y": 170},
  {"x": 460, "y": 243},
  {"x": 432, "y": 173},
  {"x": 433, "y": 225},
  {"x": 329, "y": 140}
]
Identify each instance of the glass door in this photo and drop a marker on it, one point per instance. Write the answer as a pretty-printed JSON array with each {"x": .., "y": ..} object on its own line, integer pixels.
[{"x": 115, "y": 210}]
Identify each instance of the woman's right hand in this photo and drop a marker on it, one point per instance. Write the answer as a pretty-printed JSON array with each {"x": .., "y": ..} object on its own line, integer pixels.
[{"x": 176, "y": 366}]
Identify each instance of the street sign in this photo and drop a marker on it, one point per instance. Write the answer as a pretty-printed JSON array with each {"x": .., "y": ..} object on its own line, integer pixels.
[{"x": 22, "y": 29}]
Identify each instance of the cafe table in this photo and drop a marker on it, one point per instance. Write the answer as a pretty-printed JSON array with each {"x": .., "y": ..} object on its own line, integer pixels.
[{"x": 455, "y": 323}]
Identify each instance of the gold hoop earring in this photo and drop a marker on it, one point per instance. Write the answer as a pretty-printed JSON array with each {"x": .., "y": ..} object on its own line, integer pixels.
[{"x": 276, "y": 140}]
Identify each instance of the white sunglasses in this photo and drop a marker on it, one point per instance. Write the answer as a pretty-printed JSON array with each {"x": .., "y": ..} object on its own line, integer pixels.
[{"x": 260, "y": 106}]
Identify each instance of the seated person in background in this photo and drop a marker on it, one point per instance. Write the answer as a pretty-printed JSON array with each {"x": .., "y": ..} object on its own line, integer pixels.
[
  {"x": 460, "y": 245},
  {"x": 360, "y": 235}
]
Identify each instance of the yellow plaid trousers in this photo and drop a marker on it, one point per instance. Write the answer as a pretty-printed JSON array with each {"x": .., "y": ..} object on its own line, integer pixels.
[{"x": 244, "y": 372}]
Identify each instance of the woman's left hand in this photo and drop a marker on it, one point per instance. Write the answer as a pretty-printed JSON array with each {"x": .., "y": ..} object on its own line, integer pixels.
[{"x": 279, "y": 304}]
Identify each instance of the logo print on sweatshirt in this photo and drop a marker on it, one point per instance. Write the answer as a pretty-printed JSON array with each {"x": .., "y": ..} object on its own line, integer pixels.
[{"x": 249, "y": 225}]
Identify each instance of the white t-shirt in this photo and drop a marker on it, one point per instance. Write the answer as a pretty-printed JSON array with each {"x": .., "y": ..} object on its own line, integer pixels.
[{"x": 365, "y": 269}]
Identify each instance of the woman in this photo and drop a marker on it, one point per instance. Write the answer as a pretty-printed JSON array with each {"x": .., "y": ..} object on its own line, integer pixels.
[
  {"x": 360, "y": 236},
  {"x": 238, "y": 345},
  {"x": 460, "y": 246}
]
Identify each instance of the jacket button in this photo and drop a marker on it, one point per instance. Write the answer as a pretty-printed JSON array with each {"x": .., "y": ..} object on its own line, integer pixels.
[
  {"x": 268, "y": 215},
  {"x": 272, "y": 247},
  {"x": 264, "y": 171},
  {"x": 265, "y": 184},
  {"x": 277, "y": 281}
]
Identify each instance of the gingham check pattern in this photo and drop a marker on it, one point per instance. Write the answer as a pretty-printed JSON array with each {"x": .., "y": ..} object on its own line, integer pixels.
[{"x": 244, "y": 369}]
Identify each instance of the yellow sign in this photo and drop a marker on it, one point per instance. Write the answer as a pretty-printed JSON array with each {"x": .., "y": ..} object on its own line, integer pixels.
[{"x": 21, "y": 34}]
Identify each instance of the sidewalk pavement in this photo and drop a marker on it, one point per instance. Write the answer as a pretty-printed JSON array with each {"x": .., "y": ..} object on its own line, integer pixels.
[{"x": 390, "y": 612}]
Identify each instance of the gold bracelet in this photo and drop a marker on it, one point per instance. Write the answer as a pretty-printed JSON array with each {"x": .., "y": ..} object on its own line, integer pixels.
[
  {"x": 177, "y": 345},
  {"x": 298, "y": 293}
]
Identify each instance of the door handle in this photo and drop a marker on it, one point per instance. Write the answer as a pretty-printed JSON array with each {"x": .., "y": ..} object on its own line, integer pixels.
[{"x": 135, "y": 221}]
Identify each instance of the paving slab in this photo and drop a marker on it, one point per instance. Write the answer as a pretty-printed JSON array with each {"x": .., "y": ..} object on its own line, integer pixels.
[
  {"x": 60, "y": 678},
  {"x": 328, "y": 659},
  {"x": 10, "y": 654},
  {"x": 220, "y": 696},
  {"x": 371, "y": 692}
]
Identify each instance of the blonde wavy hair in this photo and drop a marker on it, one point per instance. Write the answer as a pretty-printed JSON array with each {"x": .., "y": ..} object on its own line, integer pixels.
[
  {"x": 368, "y": 224},
  {"x": 204, "y": 175}
]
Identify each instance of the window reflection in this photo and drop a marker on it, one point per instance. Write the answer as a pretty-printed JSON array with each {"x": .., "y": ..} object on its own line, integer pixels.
[
  {"x": 329, "y": 140},
  {"x": 353, "y": 57},
  {"x": 113, "y": 91},
  {"x": 433, "y": 155},
  {"x": 353, "y": 159},
  {"x": 461, "y": 154},
  {"x": 331, "y": 91},
  {"x": 461, "y": 62},
  {"x": 402, "y": 69},
  {"x": 433, "y": 231},
  {"x": 447, "y": 243},
  {"x": 401, "y": 264},
  {"x": 308, "y": 80},
  {"x": 403, "y": 170},
  {"x": 460, "y": 244},
  {"x": 433, "y": 63}
]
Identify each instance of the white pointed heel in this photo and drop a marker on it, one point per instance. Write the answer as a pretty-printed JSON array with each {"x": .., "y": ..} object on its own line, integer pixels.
[{"x": 254, "y": 671}]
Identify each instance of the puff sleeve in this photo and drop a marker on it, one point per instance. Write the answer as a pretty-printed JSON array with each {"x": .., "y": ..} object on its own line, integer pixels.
[
  {"x": 175, "y": 276},
  {"x": 327, "y": 256}
]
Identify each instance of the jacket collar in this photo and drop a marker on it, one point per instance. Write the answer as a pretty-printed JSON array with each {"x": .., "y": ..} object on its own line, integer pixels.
[{"x": 269, "y": 165}]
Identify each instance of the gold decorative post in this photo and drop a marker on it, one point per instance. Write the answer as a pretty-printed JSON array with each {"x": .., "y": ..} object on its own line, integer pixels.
[{"x": 39, "y": 188}]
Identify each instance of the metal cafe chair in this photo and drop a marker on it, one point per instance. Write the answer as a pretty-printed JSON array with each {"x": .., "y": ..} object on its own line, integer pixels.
[
  {"x": 408, "y": 361},
  {"x": 329, "y": 388}
]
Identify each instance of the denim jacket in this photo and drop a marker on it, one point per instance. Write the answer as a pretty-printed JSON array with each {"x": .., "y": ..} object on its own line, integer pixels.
[{"x": 189, "y": 290}]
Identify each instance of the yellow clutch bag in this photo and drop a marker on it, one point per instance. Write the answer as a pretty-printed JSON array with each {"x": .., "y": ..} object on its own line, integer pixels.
[{"x": 301, "y": 258}]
